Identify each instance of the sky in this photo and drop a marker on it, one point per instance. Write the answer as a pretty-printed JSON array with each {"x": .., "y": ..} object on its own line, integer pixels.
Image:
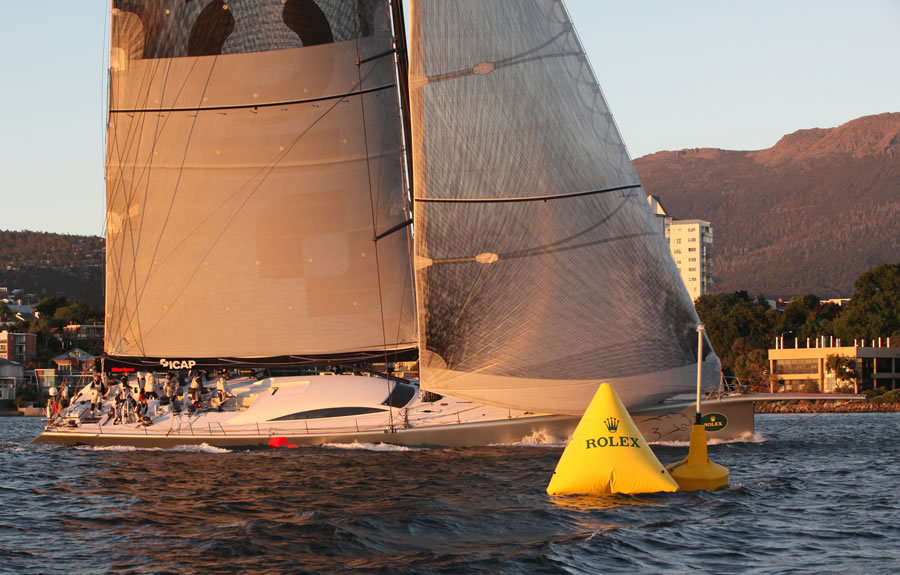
[{"x": 679, "y": 74}]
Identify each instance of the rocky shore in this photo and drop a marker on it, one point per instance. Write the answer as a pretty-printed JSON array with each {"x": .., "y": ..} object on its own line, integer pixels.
[{"x": 801, "y": 406}]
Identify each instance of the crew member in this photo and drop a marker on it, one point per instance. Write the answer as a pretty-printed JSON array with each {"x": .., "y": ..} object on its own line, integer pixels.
[
  {"x": 150, "y": 387},
  {"x": 96, "y": 389},
  {"x": 171, "y": 388},
  {"x": 222, "y": 388},
  {"x": 196, "y": 390},
  {"x": 121, "y": 399},
  {"x": 64, "y": 394},
  {"x": 52, "y": 405}
]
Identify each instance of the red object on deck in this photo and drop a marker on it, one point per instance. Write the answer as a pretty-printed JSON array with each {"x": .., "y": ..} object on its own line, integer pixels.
[{"x": 276, "y": 442}]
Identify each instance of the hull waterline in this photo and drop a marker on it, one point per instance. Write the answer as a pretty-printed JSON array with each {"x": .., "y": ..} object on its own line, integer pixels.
[{"x": 656, "y": 426}]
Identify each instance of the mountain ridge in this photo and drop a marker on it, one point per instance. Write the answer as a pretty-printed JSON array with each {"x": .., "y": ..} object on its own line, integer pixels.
[
  {"x": 807, "y": 215},
  {"x": 48, "y": 264}
]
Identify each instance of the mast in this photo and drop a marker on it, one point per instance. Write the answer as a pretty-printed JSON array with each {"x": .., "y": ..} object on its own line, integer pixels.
[{"x": 403, "y": 83}]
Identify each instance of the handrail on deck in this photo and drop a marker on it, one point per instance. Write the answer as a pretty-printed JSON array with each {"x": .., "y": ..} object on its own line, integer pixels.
[{"x": 254, "y": 429}]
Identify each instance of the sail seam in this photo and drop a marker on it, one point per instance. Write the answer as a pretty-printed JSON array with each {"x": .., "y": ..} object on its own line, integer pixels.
[
  {"x": 252, "y": 106},
  {"x": 527, "y": 198}
]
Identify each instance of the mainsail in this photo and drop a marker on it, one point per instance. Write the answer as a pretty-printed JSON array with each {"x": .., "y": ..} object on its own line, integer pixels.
[
  {"x": 254, "y": 155},
  {"x": 539, "y": 269}
]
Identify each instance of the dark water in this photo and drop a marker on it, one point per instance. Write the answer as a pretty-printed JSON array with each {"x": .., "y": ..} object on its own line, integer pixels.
[{"x": 818, "y": 497}]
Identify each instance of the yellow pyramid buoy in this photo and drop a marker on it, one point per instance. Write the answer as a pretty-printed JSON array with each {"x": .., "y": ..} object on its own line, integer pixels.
[
  {"x": 607, "y": 454},
  {"x": 696, "y": 472}
]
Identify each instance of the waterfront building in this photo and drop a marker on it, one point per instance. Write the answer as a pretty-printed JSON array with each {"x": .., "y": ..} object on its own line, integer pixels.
[
  {"x": 18, "y": 347},
  {"x": 45, "y": 378},
  {"x": 11, "y": 374},
  {"x": 92, "y": 332},
  {"x": 690, "y": 243},
  {"x": 803, "y": 368}
]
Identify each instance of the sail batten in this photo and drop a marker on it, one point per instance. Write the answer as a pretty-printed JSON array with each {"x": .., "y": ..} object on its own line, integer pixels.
[
  {"x": 539, "y": 269},
  {"x": 250, "y": 106},
  {"x": 530, "y": 198}
]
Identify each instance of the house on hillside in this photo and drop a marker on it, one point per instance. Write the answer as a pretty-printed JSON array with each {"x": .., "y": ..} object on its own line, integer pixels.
[
  {"x": 91, "y": 332},
  {"x": 18, "y": 347},
  {"x": 73, "y": 361},
  {"x": 20, "y": 313},
  {"x": 9, "y": 319},
  {"x": 11, "y": 375}
]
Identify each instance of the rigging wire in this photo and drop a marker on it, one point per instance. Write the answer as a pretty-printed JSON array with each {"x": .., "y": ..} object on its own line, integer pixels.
[
  {"x": 262, "y": 175},
  {"x": 139, "y": 341},
  {"x": 264, "y": 171},
  {"x": 129, "y": 198},
  {"x": 165, "y": 224},
  {"x": 473, "y": 280},
  {"x": 135, "y": 129},
  {"x": 372, "y": 205},
  {"x": 401, "y": 73}
]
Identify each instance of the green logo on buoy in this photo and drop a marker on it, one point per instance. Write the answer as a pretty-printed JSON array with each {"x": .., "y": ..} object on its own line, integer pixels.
[{"x": 714, "y": 421}]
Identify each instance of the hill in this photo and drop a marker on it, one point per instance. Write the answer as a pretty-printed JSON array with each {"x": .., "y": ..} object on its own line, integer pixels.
[
  {"x": 46, "y": 264},
  {"x": 807, "y": 215}
]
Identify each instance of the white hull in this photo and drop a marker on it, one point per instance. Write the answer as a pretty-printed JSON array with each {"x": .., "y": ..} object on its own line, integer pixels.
[{"x": 315, "y": 410}]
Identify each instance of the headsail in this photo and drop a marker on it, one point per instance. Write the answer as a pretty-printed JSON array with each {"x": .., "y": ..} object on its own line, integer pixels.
[
  {"x": 254, "y": 154},
  {"x": 539, "y": 270}
]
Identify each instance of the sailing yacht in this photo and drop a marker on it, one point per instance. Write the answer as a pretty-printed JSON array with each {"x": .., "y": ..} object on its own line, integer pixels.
[{"x": 289, "y": 188}]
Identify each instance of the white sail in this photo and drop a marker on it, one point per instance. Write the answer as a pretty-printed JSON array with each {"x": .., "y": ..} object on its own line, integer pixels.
[
  {"x": 254, "y": 154},
  {"x": 539, "y": 270}
]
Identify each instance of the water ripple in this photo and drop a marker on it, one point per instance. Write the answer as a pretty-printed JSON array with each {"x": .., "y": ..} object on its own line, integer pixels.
[{"x": 811, "y": 498}]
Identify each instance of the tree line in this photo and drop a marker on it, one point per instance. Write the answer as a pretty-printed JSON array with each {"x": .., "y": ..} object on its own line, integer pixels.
[
  {"x": 742, "y": 329},
  {"x": 43, "y": 248}
]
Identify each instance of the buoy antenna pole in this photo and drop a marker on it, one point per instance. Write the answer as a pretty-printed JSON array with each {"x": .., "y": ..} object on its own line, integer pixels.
[
  {"x": 700, "y": 330},
  {"x": 696, "y": 471}
]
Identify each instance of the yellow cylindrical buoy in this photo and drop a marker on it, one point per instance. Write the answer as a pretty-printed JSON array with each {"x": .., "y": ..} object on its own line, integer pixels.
[{"x": 696, "y": 472}]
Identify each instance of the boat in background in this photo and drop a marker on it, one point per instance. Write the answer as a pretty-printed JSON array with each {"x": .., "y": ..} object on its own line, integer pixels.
[{"x": 285, "y": 191}]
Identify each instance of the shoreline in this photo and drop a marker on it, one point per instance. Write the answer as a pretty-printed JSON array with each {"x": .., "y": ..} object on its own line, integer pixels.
[{"x": 825, "y": 406}]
